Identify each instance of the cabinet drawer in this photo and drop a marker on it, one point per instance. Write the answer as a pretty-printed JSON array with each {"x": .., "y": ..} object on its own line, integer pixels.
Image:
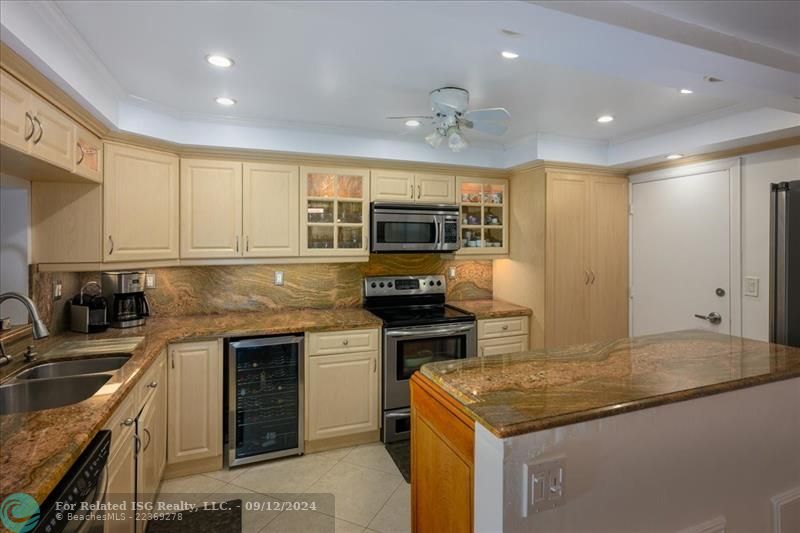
[
  {"x": 336, "y": 342},
  {"x": 503, "y": 345},
  {"x": 121, "y": 424},
  {"x": 152, "y": 379},
  {"x": 502, "y": 327}
]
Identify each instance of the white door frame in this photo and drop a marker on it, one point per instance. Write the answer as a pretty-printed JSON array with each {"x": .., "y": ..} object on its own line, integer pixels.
[{"x": 733, "y": 166}]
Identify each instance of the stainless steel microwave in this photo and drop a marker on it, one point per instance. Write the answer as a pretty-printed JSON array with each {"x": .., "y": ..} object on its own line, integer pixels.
[{"x": 414, "y": 228}]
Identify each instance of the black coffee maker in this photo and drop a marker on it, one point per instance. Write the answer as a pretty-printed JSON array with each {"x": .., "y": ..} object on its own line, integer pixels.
[{"x": 126, "y": 301}]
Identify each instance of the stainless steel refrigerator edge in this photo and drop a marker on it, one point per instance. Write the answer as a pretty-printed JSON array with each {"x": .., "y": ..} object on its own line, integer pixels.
[
  {"x": 231, "y": 398},
  {"x": 784, "y": 305}
]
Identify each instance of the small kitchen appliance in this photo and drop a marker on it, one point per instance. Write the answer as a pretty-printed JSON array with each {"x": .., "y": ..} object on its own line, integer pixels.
[
  {"x": 418, "y": 328},
  {"x": 125, "y": 294},
  {"x": 88, "y": 313}
]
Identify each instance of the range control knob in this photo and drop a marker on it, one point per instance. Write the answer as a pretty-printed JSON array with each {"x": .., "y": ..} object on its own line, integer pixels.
[
  {"x": 381, "y": 284},
  {"x": 389, "y": 284},
  {"x": 374, "y": 285},
  {"x": 439, "y": 283}
]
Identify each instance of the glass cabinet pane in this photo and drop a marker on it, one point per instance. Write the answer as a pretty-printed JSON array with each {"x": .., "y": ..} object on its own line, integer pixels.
[
  {"x": 471, "y": 238},
  {"x": 350, "y": 237},
  {"x": 320, "y": 185},
  {"x": 493, "y": 216},
  {"x": 350, "y": 187},
  {"x": 493, "y": 237},
  {"x": 470, "y": 215},
  {"x": 320, "y": 211},
  {"x": 470, "y": 193},
  {"x": 320, "y": 237},
  {"x": 350, "y": 212},
  {"x": 493, "y": 194}
]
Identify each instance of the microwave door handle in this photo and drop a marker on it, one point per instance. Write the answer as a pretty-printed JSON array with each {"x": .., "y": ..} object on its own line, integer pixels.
[{"x": 436, "y": 241}]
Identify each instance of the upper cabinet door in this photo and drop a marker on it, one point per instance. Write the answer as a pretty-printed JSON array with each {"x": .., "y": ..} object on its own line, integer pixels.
[
  {"x": 54, "y": 139},
  {"x": 141, "y": 214},
  {"x": 435, "y": 189},
  {"x": 16, "y": 120},
  {"x": 484, "y": 215},
  {"x": 88, "y": 155},
  {"x": 270, "y": 204},
  {"x": 392, "y": 186},
  {"x": 211, "y": 209}
]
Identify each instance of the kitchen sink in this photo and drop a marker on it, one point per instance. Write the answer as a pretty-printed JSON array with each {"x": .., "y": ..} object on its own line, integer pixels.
[
  {"x": 74, "y": 368},
  {"x": 35, "y": 395}
]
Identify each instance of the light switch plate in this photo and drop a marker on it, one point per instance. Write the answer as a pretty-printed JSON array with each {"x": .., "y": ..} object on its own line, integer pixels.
[
  {"x": 149, "y": 281},
  {"x": 279, "y": 277},
  {"x": 543, "y": 486},
  {"x": 57, "y": 290},
  {"x": 751, "y": 286},
  {"x": 451, "y": 272}
]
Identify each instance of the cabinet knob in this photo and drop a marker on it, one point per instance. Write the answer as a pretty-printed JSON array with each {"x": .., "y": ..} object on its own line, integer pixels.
[
  {"x": 345, "y": 342},
  {"x": 153, "y": 385},
  {"x": 127, "y": 422},
  {"x": 505, "y": 327}
]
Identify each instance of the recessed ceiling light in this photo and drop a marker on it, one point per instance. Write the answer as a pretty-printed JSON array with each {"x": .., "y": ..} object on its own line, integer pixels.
[
  {"x": 686, "y": 91},
  {"x": 219, "y": 61},
  {"x": 224, "y": 100},
  {"x": 602, "y": 119},
  {"x": 413, "y": 123},
  {"x": 508, "y": 54},
  {"x": 674, "y": 156}
]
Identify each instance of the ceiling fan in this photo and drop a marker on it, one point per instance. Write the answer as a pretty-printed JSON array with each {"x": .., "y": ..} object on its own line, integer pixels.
[{"x": 450, "y": 114}]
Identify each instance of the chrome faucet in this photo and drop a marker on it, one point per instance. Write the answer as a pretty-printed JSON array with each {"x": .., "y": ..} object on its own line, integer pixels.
[{"x": 39, "y": 329}]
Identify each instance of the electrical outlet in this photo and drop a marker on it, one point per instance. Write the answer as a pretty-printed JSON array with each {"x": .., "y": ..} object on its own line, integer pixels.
[
  {"x": 451, "y": 272},
  {"x": 149, "y": 281},
  {"x": 57, "y": 290},
  {"x": 751, "y": 286},
  {"x": 279, "y": 278},
  {"x": 543, "y": 486}
]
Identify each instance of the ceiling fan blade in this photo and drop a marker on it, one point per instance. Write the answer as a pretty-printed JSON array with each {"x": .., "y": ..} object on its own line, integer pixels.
[
  {"x": 493, "y": 113},
  {"x": 426, "y": 117},
  {"x": 486, "y": 126}
]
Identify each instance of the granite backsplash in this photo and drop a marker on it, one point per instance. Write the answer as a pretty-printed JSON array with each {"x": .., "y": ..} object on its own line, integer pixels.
[{"x": 195, "y": 290}]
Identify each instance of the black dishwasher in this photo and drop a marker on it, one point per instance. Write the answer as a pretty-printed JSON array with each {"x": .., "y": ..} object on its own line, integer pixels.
[{"x": 264, "y": 399}]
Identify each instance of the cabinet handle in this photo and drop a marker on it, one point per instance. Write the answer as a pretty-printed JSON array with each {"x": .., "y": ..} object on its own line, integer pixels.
[
  {"x": 592, "y": 273},
  {"x": 111, "y": 243},
  {"x": 237, "y": 244},
  {"x": 419, "y": 192},
  {"x": 247, "y": 243},
  {"x": 127, "y": 422},
  {"x": 152, "y": 385},
  {"x": 33, "y": 128},
  {"x": 137, "y": 444},
  {"x": 483, "y": 350},
  {"x": 374, "y": 365},
  {"x": 83, "y": 154},
  {"x": 149, "y": 439},
  {"x": 41, "y": 130},
  {"x": 173, "y": 359},
  {"x": 586, "y": 279},
  {"x": 412, "y": 187}
]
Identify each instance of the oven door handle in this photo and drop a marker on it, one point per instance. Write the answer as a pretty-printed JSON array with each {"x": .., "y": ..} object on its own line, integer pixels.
[
  {"x": 399, "y": 414},
  {"x": 426, "y": 332}
]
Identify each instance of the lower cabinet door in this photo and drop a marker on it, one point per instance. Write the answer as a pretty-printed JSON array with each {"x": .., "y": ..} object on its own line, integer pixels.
[
  {"x": 194, "y": 371},
  {"x": 503, "y": 345},
  {"x": 342, "y": 395},
  {"x": 122, "y": 488},
  {"x": 147, "y": 475}
]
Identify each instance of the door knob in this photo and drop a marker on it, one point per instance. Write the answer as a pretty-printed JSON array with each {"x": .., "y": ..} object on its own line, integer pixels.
[{"x": 714, "y": 318}]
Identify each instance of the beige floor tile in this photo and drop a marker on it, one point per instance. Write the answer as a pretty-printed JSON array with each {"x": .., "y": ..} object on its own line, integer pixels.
[
  {"x": 395, "y": 517},
  {"x": 309, "y": 522},
  {"x": 337, "y": 454},
  {"x": 359, "y": 492},
  {"x": 372, "y": 456},
  {"x": 191, "y": 489},
  {"x": 227, "y": 475},
  {"x": 285, "y": 476},
  {"x": 262, "y": 509}
]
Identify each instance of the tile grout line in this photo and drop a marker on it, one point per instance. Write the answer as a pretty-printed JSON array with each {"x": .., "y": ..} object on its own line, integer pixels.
[{"x": 397, "y": 488}]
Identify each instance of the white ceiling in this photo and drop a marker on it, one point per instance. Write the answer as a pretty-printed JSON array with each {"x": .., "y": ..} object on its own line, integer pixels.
[
  {"x": 350, "y": 64},
  {"x": 768, "y": 22}
]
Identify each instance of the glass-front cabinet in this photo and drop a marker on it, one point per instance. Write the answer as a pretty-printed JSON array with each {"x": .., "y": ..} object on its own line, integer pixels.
[
  {"x": 483, "y": 215},
  {"x": 334, "y": 213}
]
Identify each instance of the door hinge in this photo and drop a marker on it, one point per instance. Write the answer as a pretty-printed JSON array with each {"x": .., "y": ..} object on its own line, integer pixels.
[{"x": 630, "y": 209}]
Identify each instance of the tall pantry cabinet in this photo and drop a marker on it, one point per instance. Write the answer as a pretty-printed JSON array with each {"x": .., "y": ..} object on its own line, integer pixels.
[{"x": 572, "y": 268}]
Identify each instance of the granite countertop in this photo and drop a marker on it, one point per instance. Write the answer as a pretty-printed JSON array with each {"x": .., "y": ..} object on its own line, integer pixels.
[
  {"x": 522, "y": 393},
  {"x": 490, "y": 308},
  {"x": 37, "y": 448}
]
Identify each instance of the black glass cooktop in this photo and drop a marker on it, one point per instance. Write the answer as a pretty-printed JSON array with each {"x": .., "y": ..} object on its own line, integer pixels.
[{"x": 420, "y": 315}]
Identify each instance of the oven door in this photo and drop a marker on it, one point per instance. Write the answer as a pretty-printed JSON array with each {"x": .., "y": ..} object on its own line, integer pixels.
[
  {"x": 407, "y": 349},
  {"x": 405, "y": 232}
]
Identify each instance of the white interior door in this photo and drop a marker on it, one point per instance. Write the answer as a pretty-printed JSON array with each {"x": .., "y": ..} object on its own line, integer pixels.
[{"x": 681, "y": 250}]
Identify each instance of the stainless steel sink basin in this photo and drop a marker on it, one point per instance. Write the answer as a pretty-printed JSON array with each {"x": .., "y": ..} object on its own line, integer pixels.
[
  {"x": 24, "y": 396},
  {"x": 73, "y": 368}
]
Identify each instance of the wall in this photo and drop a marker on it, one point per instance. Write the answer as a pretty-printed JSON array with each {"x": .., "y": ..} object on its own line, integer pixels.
[
  {"x": 14, "y": 244},
  {"x": 758, "y": 171},
  {"x": 662, "y": 469},
  {"x": 220, "y": 289}
]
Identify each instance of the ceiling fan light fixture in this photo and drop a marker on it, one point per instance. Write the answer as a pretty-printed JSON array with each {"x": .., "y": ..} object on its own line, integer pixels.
[
  {"x": 456, "y": 140},
  {"x": 434, "y": 138}
]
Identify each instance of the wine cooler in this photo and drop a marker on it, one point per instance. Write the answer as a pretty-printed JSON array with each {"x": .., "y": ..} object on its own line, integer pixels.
[{"x": 264, "y": 412}]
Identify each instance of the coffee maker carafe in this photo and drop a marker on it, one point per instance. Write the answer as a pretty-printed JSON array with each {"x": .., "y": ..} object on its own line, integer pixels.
[{"x": 125, "y": 294}]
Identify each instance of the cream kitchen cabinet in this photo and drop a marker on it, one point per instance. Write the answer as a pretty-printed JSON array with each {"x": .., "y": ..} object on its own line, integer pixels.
[
  {"x": 141, "y": 204},
  {"x": 16, "y": 120},
  {"x": 152, "y": 430},
  {"x": 408, "y": 187},
  {"x": 211, "y": 208},
  {"x": 341, "y": 388},
  {"x": 334, "y": 212},
  {"x": 194, "y": 376},
  {"x": 89, "y": 158},
  {"x": 270, "y": 207},
  {"x": 484, "y": 215},
  {"x": 498, "y": 336},
  {"x": 121, "y": 488}
]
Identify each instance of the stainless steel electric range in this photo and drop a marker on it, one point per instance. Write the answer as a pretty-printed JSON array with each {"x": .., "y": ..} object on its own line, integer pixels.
[{"x": 418, "y": 328}]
